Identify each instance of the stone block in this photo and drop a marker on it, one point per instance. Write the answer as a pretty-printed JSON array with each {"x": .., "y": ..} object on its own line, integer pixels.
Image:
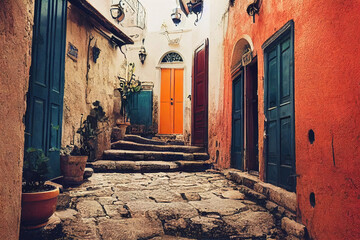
[
  {"x": 129, "y": 229},
  {"x": 125, "y": 165},
  {"x": 90, "y": 208},
  {"x": 292, "y": 227},
  {"x": 191, "y": 196},
  {"x": 66, "y": 214},
  {"x": 233, "y": 194},
  {"x": 88, "y": 173},
  {"x": 254, "y": 224},
  {"x": 63, "y": 201}
]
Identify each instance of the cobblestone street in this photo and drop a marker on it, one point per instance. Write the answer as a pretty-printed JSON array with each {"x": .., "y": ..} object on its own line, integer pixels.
[{"x": 161, "y": 206}]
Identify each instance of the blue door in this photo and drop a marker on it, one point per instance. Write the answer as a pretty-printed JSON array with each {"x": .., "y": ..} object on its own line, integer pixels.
[
  {"x": 46, "y": 86},
  {"x": 279, "y": 110},
  {"x": 237, "y": 143},
  {"x": 140, "y": 108}
]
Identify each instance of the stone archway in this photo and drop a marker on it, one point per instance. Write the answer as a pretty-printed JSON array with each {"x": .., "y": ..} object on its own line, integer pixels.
[
  {"x": 240, "y": 47},
  {"x": 245, "y": 107}
]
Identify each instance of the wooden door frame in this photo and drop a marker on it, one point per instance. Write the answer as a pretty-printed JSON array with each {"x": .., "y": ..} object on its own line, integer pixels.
[
  {"x": 235, "y": 73},
  {"x": 288, "y": 28},
  {"x": 247, "y": 108},
  {"x": 49, "y": 71},
  {"x": 203, "y": 45}
]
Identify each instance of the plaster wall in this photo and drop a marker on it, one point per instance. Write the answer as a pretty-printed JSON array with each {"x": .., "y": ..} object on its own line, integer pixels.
[
  {"x": 15, "y": 60},
  {"x": 209, "y": 26},
  {"x": 327, "y": 91},
  {"x": 83, "y": 86},
  {"x": 158, "y": 12}
]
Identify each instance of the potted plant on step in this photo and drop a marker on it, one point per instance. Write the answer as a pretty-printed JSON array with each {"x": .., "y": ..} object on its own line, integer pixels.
[
  {"x": 38, "y": 200},
  {"x": 73, "y": 158},
  {"x": 128, "y": 86}
]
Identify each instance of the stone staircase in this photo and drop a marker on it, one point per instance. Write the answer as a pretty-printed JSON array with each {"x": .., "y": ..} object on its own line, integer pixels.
[{"x": 138, "y": 154}]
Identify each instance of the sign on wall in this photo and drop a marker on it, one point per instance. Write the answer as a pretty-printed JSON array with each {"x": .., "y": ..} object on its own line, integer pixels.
[
  {"x": 72, "y": 52},
  {"x": 246, "y": 57}
]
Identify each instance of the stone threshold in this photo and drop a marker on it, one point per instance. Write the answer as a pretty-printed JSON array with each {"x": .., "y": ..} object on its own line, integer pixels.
[
  {"x": 273, "y": 193},
  {"x": 278, "y": 201}
]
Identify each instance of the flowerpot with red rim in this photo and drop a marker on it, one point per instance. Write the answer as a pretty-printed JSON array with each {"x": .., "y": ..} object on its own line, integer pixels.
[{"x": 37, "y": 207}]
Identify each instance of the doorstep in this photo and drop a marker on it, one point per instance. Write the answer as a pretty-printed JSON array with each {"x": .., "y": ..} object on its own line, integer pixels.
[{"x": 273, "y": 193}]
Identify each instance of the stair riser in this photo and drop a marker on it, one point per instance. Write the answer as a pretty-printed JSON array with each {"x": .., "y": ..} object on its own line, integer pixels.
[
  {"x": 128, "y": 168},
  {"x": 153, "y": 157},
  {"x": 141, "y": 140},
  {"x": 129, "y": 146}
]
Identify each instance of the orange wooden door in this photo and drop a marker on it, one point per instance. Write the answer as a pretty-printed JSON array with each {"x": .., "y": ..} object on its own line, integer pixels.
[{"x": 171, "y": 101}]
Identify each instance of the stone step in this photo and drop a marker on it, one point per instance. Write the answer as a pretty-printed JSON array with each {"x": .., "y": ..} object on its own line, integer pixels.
[
  {"x": 121, "y": 155},
  {"x": 142, "y": 140},
  {"x": 102, "y": 166},
  {"x": 127, "y": 145}
]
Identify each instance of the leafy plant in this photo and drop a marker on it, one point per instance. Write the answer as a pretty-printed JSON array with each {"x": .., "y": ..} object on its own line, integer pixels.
[
  {"x": 128, "y": 86},
  {"x": 35, "y": 170},
  {"x": 89, "y": 130}
]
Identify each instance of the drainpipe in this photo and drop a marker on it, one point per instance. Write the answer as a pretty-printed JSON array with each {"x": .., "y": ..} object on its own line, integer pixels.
[{"x": 88, "y": 69}]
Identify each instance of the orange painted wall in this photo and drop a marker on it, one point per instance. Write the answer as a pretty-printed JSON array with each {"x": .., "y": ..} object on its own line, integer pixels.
[
  {"x": 16, "y": 24},
  {"x": 327, "y": 100}
]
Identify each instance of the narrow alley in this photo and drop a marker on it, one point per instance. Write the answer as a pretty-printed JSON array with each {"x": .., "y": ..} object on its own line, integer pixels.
[
  {"x": 199, "y": 205},
  {"x": 179, "y": 119}
]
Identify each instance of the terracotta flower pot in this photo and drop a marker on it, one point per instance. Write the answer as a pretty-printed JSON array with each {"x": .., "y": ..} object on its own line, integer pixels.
[
  {"x": 72, "y": 168},
  {"x": 118, "y": 132},
  {"x": 37, "y": 207}
]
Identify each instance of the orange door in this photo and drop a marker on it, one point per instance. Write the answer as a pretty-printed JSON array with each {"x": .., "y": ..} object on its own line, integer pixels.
[{"x": 171, "y": 101}]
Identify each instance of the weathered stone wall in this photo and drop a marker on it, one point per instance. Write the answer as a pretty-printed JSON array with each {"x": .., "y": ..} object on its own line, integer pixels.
[
  {"x": 85, "y": 85},
  {"x": 16, "y": 20}
]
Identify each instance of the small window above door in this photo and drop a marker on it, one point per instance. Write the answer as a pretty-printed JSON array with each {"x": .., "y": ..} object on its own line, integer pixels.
[{"x": 172, "y": 57}]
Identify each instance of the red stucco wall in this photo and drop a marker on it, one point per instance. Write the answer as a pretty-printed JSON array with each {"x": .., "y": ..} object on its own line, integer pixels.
[
  {"x": 327, "y": 100},
  {"x": 16, "y": 18}
]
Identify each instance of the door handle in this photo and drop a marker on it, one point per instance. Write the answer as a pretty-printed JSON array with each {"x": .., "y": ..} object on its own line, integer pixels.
[
  {"x": 171, "y": 99},
  {"x": 172, "y": 103}
]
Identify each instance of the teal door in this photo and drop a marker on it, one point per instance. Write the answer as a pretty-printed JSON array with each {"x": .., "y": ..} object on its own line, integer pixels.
[
  {"x": 46, "y": 86},
  {"x": 279, "y": 110},
  {"x": 237, "y": 143},
  {"x": 140, "y": 108}
]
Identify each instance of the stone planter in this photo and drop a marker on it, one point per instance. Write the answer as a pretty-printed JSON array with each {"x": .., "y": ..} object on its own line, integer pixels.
[
  {"x": 72, "y": 168},
  {"x": 37, "y": 207},
  {"x": 118, "y": 133}
]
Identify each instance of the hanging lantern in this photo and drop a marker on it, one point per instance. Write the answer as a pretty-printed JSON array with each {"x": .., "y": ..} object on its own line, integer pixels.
[
  {"x": 192, "y": 6},
  {"x": 253, "y": 9},
  {"x": 176, "y": 16},
  {"x": 142, "y": 54},
  {"x": 117, "y": 11}
]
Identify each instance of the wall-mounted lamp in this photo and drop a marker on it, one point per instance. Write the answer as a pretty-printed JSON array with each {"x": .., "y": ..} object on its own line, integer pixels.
[
  {"x": 142, "y": 54},
  {"x": 117, "y": 11},
  {"x": 192, "y": 6},
  {"x": 96, "y": 52},
  {"x": 253, "y": 9},
  {"x": 176, "y": 16}
]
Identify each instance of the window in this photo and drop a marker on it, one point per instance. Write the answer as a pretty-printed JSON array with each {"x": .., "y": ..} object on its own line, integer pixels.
[{"x": 171, "y": 58}]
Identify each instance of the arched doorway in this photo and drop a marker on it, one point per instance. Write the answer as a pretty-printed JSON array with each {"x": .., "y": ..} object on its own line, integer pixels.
[
  {"x": 244, "y": 145},
  {"x": 171, "y": 94}
]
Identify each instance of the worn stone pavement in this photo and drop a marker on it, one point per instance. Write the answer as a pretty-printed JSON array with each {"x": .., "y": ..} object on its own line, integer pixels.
[{"x": 175, "y": 205}]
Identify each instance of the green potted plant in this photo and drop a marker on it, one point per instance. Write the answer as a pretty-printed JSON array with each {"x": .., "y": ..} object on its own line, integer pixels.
[
  {"x": 73, "y": 158},
  {"x": 38, "y": 200},
  {"x": 128, "y": 86}
]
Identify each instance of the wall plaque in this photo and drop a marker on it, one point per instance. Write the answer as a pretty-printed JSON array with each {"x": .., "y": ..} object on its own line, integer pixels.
[
  {"x": 72, "y": 52},
  {"x": 247, "y": 57}
]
